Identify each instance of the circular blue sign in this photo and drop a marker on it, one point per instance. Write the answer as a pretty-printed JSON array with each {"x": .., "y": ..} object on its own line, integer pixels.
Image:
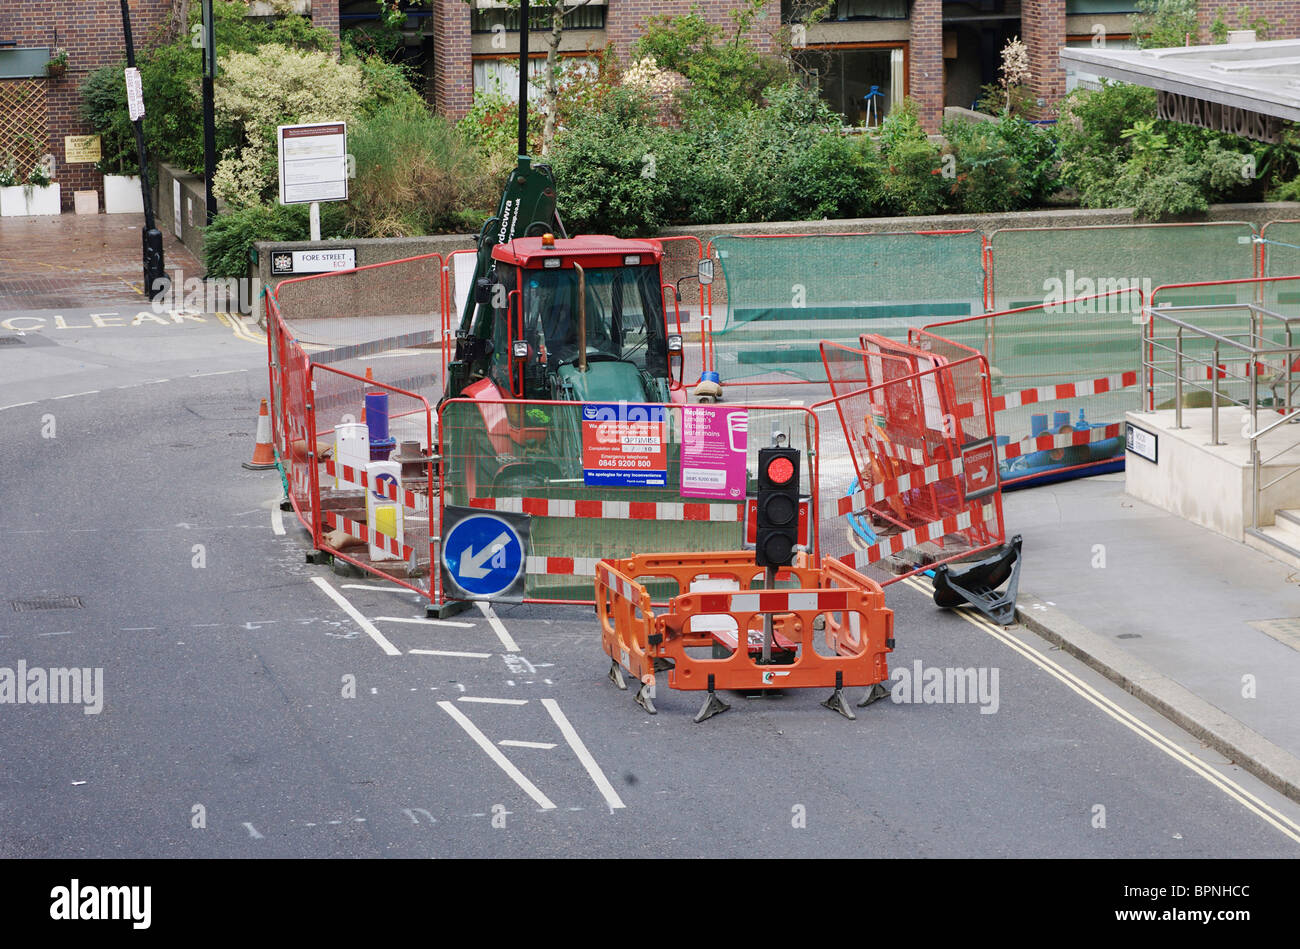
[{"x": 483, "y": 555}]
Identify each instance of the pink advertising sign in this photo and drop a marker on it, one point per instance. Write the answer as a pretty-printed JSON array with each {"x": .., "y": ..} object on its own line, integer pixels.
[{"x": 713, "y": 452}]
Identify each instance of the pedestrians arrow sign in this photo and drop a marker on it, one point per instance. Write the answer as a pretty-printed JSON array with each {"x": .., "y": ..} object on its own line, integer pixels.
[
  {"x": 979, "y": 463},
  {"x": 484, "y": 555}
]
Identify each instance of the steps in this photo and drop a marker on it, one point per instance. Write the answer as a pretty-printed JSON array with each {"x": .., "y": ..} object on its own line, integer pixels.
[{"x": 1281, "y": 540}]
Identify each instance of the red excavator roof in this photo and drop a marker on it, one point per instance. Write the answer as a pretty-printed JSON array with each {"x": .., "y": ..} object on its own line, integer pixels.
[{"x": 590, "y": 250}]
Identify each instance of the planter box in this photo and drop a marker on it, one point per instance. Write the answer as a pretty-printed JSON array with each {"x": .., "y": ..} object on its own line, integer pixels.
[
  {"x": 122, "y": 195},
  {"x": 19, "y": 202}
]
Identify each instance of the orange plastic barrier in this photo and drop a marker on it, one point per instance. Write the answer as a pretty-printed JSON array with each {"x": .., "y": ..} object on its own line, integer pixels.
[{"x": 859, "y": 629}]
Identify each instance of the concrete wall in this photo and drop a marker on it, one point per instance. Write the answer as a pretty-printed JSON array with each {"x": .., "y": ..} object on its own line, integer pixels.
[{"x": 193, "y": 207}]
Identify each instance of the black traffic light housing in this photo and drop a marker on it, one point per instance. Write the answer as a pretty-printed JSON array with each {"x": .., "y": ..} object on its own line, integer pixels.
[{"x": 778, "y": 506}]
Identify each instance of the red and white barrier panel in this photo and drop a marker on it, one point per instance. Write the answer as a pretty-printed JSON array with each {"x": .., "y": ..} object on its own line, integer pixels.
[
  {"x": 775, "y": 601},
  {"x": 562, "y": 566},
  {"x": 362, "y": 532},
  {"x": 623, "y": 586},
  {"x": 855, "y": 502},
  {"x": 1063, "y": 440},
  {"x": 1064, "y": 390},
  {"x": 897, "y": 543},
  {"x": 357, "y": 476},
  {"x": 913, "y": 455},
  {"x": 613, "y": 510}
]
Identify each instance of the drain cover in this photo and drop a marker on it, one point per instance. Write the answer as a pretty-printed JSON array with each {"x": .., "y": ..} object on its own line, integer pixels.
[
  {"x": 48, "y": 603},
  {"x": 1285, "y": 631}
]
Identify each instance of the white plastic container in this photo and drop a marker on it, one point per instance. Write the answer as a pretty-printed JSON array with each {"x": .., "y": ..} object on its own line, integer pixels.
[{"x": 351, "y": 448}]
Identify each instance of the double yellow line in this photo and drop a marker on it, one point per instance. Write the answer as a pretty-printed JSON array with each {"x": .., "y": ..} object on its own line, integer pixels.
[
  {"x": 241, "y": 331},
  {"x": 1273, "y": 816}
]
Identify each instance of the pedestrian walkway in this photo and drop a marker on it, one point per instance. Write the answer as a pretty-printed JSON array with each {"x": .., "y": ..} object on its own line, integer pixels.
[
  {"x": 1214, "y": 616},
  {"x": 77, "y": 261}
]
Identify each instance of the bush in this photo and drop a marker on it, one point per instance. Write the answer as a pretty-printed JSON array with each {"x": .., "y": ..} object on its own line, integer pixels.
[
  {"x": 416, "y": 175},
  {"x": 228, "y": 240},
  {"x": 913, "y": 182},
  {"x": 612, "y": 169},
  {"x": 986, "y": 176},
  {"x": 839, "y": 176},
  {"x": 102, "y": 93},
  {"x": 275, "y": 86}
]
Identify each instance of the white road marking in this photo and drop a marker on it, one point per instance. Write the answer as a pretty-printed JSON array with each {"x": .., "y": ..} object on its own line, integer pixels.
[
  {"x": 495, "y": 754},
  {"x": 497, "y": 626},
  {"x": 220, "y": 372},
  {"x": 470, "y": 698},
  {"x": 367, "y": 586},
  {"x": 511, "y": 743},
  {"x": 136, "y": 629},
  {"x": 73, "y": 395},
  {"x": 153, "y": 382},
  {"x": 252, "y": 831},
  {"x": 16, "y": 405},
  {"x": 427, "y": 622},
  {"x": 277, "y": 518},
  {"x": 445, "y": 652},
  {"x": 571, "y": 736},
  {"x": 66, "y": 632},
  {"x": 360, "y": 620},
  {"x": 1279, "y": 820}
]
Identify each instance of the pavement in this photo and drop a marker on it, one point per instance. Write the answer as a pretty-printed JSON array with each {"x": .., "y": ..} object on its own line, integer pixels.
[
  {"x": 1136, "y": 691},
  {"x": 77, "y": 261},
  {"x": 1202, "y": 628}
]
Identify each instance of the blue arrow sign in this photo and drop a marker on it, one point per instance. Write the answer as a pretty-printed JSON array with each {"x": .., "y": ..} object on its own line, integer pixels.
[{"x": 483, "y": 555}]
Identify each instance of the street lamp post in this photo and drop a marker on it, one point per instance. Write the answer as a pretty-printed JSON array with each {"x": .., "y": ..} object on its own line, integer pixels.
[{"x": 155, "y": 274}]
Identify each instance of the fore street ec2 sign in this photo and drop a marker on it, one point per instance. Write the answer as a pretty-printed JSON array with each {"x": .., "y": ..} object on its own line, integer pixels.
[{"x": 313, "y": 162}]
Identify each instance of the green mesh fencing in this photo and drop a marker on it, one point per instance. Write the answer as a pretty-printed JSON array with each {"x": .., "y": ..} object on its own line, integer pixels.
[
  {"x": 1031, "y": 266},
  {"x": 784, "y": 294},
  {"x": 1281, "y": 244},
  {"x": 528, "y": 457}
]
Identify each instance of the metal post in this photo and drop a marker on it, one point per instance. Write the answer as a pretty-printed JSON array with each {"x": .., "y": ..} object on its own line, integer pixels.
[
  {"x": 209, "y": 110},
  {"x": 523, "y": 77},
  {"x": 155, "y": 269},
  {"x": 313, "y": 217},
  {"x": 1214, "y": 398},
  {"x": 1178, "y": 380},
  {"x": 1254, "y": 487},
  {"x": 769, "y": 583}
]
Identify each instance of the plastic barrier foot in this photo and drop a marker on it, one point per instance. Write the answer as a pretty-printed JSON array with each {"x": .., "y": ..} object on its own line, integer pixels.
[
  {"x": 875, "y": 693},
  {"x": 976, "y": 583},
  {"x": 712, "y": 705},
  {"x": 320, "y": 558},
  {"x": 286, "y": 505},
  {"x": 837, "y": 702},
  {"x": 644, "y": 699},
  {"x": 662, "y": 664},
  {"x": 616, "y": 676}
]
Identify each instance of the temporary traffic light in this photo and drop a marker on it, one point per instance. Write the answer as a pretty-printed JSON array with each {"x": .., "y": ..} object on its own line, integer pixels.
[{"x": 778, "y": 506}]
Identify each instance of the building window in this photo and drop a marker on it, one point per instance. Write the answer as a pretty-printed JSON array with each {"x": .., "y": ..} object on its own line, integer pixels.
[
  {"x": 794, "y": 11},
  {"x": 588, "y": 17},
  {"x": 861, "y": 84},
  {"x": 1075, "y": 78},
  {"x": 501, "y": 74}
]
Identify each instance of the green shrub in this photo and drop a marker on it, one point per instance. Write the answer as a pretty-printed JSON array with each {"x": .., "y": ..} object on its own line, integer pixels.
[
  {"x": 102, "y": 92},
  {"x": 986, "y": 177},
  {"x": 839, "y": 176},
  {"x": 913, "y": 181},
  {"x": 416, "y": 175},
  {"x": 228, "y": 240}
]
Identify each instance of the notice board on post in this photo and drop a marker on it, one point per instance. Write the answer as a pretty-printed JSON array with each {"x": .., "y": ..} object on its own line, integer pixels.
[{"x": 313, "y": 162}]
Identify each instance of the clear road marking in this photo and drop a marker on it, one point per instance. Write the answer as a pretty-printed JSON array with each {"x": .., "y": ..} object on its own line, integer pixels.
[
  {"x": 252, "y": 831},
  {"x": 495, "y": 754},
  {"x": 470, "y": 698},
  {"x": 360, "y": 620},
  {"x": 426, "y": 622},
  {"x": 497, "y": 626},
  {"x": 571, "y": 736},
  {"x": 511, "y": 743},
  {"x": 277, "y": 518},
  {"x": 453, "y": 655},
  {"x": 73, "y": 395},
  {"x": 1273, "y": 816}
]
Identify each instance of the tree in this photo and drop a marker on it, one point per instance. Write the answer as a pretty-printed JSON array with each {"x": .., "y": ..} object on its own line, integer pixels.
[{"x": 1159, "y": 24}]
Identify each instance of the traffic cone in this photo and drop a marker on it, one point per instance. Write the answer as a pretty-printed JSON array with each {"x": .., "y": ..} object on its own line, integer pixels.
[{"x": 263, "y": 453}]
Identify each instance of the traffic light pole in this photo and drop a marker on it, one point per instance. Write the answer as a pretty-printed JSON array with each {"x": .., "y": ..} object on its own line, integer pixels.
[
  {"x": 155, "y": 274},
  {"x": 770, "y": 583}
]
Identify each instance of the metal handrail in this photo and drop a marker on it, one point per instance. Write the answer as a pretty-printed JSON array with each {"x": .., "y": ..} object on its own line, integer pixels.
[{"x": 1252, "y": 353}]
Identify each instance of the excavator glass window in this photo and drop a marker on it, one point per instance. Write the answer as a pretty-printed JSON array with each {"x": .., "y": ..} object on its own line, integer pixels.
[{"x": 624, "y": 316}]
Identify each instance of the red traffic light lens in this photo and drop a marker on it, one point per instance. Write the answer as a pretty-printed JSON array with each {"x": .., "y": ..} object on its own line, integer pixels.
[{"x": 780, "y": 470}]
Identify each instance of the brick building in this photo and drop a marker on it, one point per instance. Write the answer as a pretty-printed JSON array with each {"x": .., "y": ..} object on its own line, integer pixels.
[{"x": 865, "y": 54}]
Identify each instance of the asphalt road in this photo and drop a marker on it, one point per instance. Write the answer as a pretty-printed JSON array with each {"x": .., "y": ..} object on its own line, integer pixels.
[{"x": 246, "y": 713}]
